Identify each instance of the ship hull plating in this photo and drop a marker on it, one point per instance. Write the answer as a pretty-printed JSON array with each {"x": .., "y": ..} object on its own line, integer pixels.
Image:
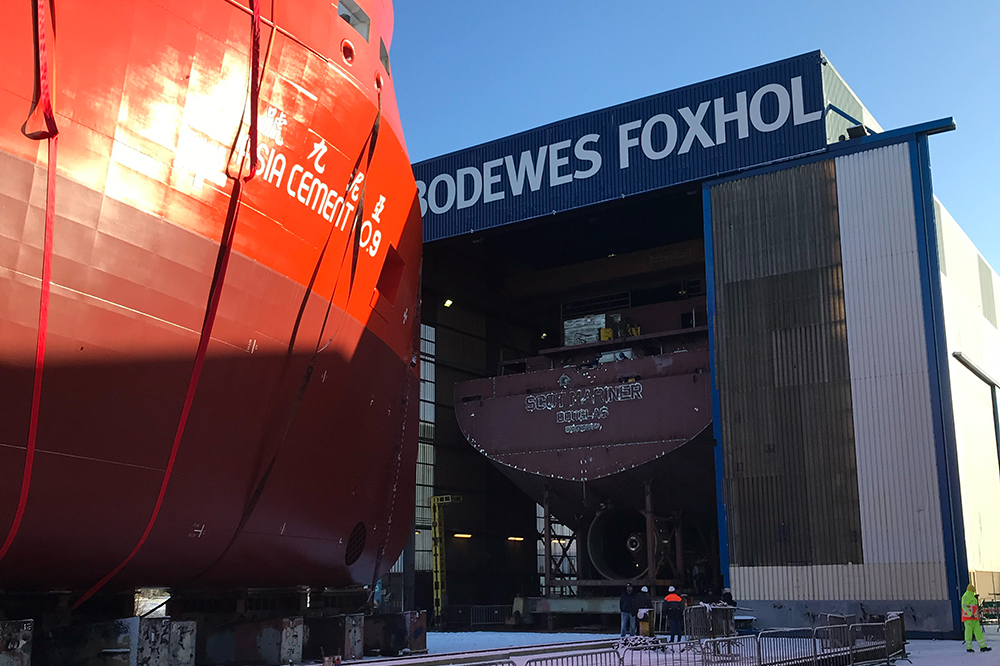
[{"x": 288, "y": 453}]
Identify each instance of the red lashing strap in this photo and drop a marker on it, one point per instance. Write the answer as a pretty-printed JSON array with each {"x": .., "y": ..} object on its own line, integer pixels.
[
  {"x": 199, "y": 360},
  {"x": 42, "y": 94},
  {"x": 368, "y": 147},
  {"x": 215, "y": 293}
]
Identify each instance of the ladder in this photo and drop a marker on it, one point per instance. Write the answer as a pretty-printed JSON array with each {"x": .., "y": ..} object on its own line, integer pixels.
[{"x": 438, "y": 503}]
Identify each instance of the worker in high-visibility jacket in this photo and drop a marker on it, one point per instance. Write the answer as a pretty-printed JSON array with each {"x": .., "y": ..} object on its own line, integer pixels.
[
  {"x": 674, "y": 608},
  {"x": 970, "y": 618}
]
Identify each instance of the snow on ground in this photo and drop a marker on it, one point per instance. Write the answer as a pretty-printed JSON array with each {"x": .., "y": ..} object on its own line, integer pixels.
[
  {"x": 952, "y": 653},
  {"x": 442, "y": 642},
  {"x": 922, "y": 653}
]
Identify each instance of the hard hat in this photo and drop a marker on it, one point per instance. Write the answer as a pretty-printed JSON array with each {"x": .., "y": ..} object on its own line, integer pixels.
[
  {"x": 672, "y": 589},
  {"x": 645, "y": 589}
]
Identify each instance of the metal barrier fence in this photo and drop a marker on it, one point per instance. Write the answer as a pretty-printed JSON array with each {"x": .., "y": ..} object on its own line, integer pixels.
[
  {"x": 868, "y": 644},
  {"x": 837, "y": 645},
  {"x": 472, "y": 616},
  {"x": 856, "y": 644},
  {"x": 785, "y": 647},
  {"x": 660, "y": 620},
  {"x": 495, "y": 614},
  {"x": 704, "y": 621},
  {"x": 601, "y": 658},
  {"x": 989, "y": 609},
  {"x": 732, "y": 650},
  {"x": 663, "y": 653},
  {"x": 833, "y": 645},
  {"x": 895, "y": 637},
  {"x": 834, "y": 619},
  {"x": 661, "y": 624}
]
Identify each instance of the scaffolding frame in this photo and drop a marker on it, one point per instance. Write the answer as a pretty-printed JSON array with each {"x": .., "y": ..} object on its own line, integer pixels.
[{"x": 438, "y": 503}]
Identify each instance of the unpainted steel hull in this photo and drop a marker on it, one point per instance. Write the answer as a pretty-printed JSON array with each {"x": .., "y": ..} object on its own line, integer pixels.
[{"x": 593, "y": 436}]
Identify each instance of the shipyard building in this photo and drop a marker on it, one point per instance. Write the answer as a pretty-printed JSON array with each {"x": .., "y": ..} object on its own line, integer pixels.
[{"x": 722, "y": 336}]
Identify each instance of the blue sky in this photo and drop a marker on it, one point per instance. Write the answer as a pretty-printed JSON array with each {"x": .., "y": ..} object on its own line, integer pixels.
[{"x": 468, "y": 71}]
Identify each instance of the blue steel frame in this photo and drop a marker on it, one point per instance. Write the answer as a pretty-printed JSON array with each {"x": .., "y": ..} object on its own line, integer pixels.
[
  {"x": 956, "y": 560},
  {"x": 938, "y": 363},
  {"x": 720, "y": 505}
]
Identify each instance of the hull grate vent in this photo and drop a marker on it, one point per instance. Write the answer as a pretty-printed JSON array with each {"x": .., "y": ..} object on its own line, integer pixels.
[{"x": 355, "y": 544}]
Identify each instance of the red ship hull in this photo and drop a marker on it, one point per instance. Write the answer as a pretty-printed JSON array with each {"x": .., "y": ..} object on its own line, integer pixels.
[{"x": 279, "y": 464}]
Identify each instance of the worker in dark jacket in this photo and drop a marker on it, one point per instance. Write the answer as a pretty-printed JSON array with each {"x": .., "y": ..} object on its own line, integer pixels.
[
  {"x": 626, "y": 604},
  {"x": 642, "y": 600},
  {"x": 673, "y": 606},
  {"x": 643, "y": 606}
]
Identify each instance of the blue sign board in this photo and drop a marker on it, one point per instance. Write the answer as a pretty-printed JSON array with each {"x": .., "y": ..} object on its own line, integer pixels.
[{"x": 735, "y": 122}]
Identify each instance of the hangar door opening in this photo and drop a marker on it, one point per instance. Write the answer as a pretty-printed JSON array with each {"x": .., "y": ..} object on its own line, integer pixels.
[{"x": 572, "y": 361}]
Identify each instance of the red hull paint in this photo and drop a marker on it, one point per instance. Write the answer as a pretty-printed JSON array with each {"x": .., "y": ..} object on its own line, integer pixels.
[{"x": 149, "y": 98}]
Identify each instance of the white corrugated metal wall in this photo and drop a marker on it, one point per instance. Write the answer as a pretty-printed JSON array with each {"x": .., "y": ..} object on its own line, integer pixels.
[
  {"x": 969, "y": 288},
  {"x": 890, "y": 381},
  {"x": 902, "y": 533}
]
